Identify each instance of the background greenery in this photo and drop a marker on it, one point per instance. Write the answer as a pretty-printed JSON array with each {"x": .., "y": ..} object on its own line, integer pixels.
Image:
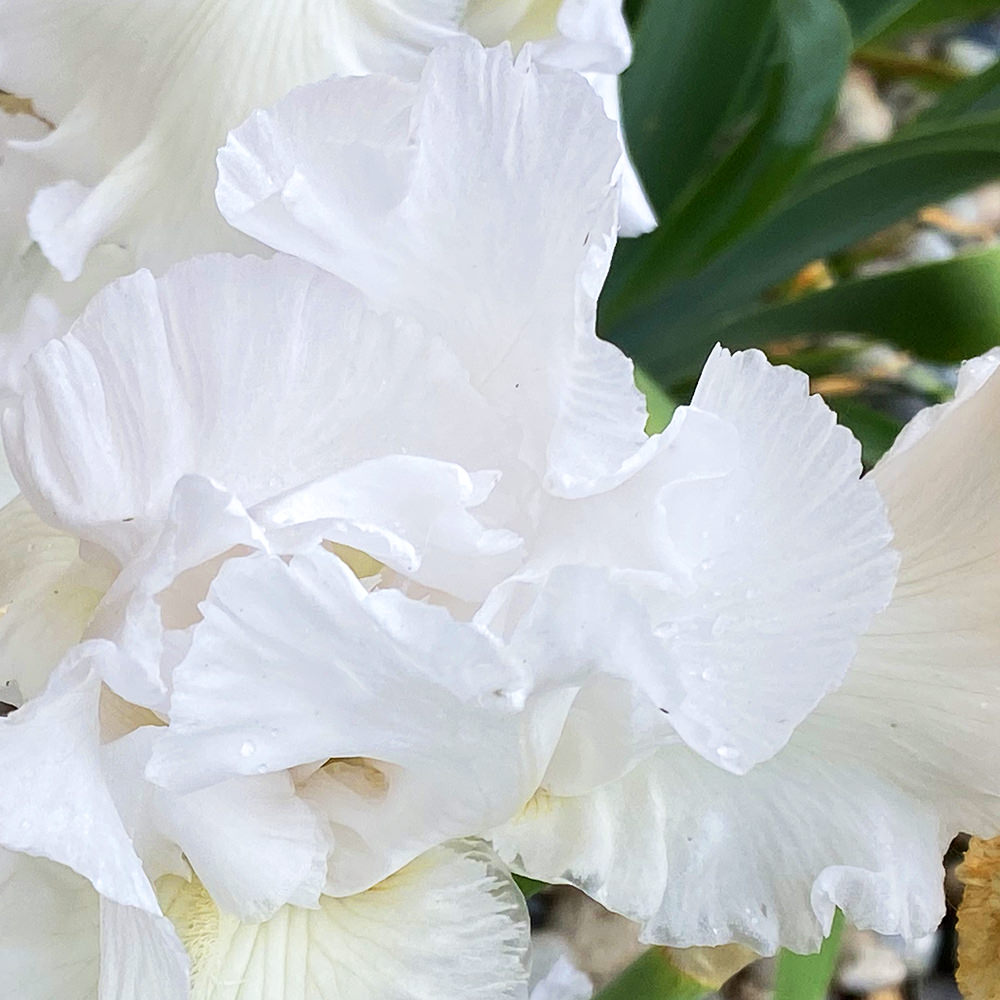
[{"x": 726, "y": 106}]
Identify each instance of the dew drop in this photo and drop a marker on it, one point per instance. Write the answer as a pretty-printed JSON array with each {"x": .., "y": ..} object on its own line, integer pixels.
[
  {"x": 247, "y": 749},
  {"x": 262, "y": 768},
  {"x": 728, "y": 753}
]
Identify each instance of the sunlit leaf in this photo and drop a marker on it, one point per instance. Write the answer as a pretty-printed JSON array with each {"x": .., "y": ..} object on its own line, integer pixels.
[
  {"x": 943, "y": 311},
  {"x": 807, "y": 977},
  {"x": 653, "y": 977}
]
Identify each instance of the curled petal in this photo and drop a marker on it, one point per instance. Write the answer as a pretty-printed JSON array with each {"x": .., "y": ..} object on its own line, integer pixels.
[
  {"x": 370, "y": 196},
  {"x": 151, "y": 384},
  {"x": 703, "y": 857},
  {"x": 295, "y": 664},
  {"x": 54, "y": 799}
]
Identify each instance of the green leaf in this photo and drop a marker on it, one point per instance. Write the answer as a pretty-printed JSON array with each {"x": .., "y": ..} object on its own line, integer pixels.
[
  {"x": 653, "y": 977},
  {"x": 876, "y": 431},
  {"x": 659, "y": 405},
  {"x": 943, "y": 311},
  {"x": 977, "y": 94},
  {"x": 927, "y": 12},
  {"x": 807, "y": 977},
  {"x": 870, "y": 17},
  {"x": 804, "y": 82},
  {"x": 689, "y": 62},
  {"x": 529, "y": 886},
  {"x": 836, "y": 203}
]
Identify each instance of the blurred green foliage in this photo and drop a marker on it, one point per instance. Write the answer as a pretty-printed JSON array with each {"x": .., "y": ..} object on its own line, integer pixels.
[{"x": 726, "y": 107}]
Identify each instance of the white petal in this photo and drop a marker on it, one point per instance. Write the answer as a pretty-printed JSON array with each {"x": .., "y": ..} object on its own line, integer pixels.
[
  {"x": 752, "y": 548},
  {"x": 564, "y": 981},
  {"x": 589, "y": 36},
  {"x": 370, "y": 194},
  {"x": 141, "y": 956},
  {"x": 54, "y": 800},
  {"x": 39, "y": 320},
  {"x": 450, "y": 926},
  {"x": 161, "y": 587},
  {"x": 971, "y": 377},
  {"x": 152, "y": 382},
  {"x": 703, "y": 857},
  {"x": 410, "y": 513},
  {"x": 253, "y": 843},
  {"x": 143, "y": 95},
  {"x": 635, "y": 214},
  {"x": 8, "y": 485},
  {"x": 48, "y": 595},
  {"x": 927, "y": 672},
  {"x": 581, "y": 638},
  {"x": 294, "y": 664},
  {"x": 791, "y": 564},
  {"x": 19, "y": 177},
  {"x": 49, "y": 932}
]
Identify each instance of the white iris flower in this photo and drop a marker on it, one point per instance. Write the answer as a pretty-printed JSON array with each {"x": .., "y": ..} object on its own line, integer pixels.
[
  {"x": 140, "y": 94},
  {"x": 373, "y": 728},
  {"x": 326, "y": 565},
  {"x": 768, "y": 695}
]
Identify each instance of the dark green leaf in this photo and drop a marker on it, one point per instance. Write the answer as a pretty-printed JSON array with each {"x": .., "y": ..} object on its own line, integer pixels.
[
  {"x": 870, "y": 17},
  {"x": 807, "y": 977},
  {"x": 836, "y": 203},
  {"x": 814, "y": 44},
  {"x": 811, "y": 59},
  {"x": 945, "y": 311},
  {"x": 689, "y": 61},
  {"x": 653, "y": 977},
  {"x": 876, "y": 431}
]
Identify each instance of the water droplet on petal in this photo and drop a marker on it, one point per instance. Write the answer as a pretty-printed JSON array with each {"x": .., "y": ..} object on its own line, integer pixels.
[
  {"x": 247, "y": 750},
  {"x": 728, "y": 753}
]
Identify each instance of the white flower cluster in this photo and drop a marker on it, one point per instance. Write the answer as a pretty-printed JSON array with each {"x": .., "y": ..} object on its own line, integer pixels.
[{"x": 345, "y": 579}]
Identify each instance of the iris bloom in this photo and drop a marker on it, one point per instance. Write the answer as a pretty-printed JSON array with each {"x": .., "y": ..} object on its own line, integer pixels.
[
  {"x": 316, "y": 532},
  {"x": 280, "y": 638},
  {"x": 778, "y": 711},
  {"x": 139, "y": 96}
]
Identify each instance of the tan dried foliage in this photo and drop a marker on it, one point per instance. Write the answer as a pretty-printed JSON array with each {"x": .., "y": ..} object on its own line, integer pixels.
[{"x": 979, "y": 922}]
